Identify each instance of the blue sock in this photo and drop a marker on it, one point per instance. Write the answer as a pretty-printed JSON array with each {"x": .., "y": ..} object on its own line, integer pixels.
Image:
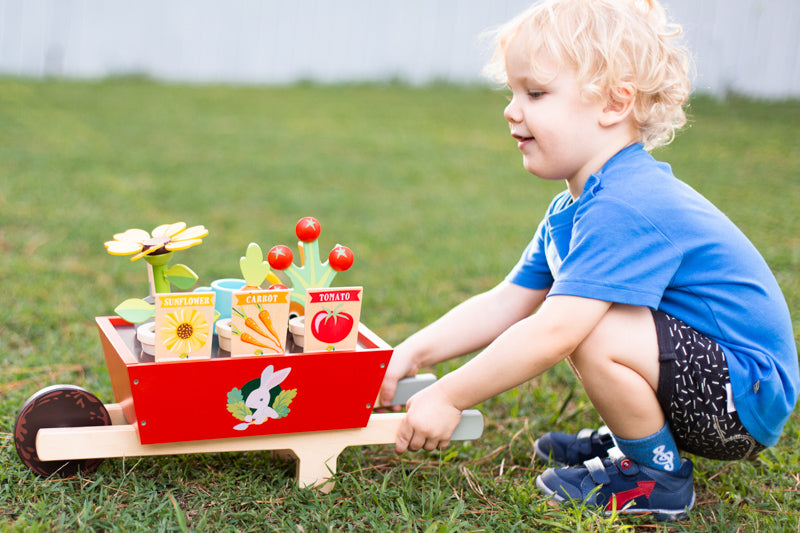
[{"x": 656, "y": 451}]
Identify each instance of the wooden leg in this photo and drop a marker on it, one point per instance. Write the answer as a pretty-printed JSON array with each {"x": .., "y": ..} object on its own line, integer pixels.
[{"x": 316, "y": 466}]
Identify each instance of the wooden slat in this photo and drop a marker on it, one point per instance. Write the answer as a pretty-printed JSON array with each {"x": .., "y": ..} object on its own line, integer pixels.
[{"x": 316, "y": 452}]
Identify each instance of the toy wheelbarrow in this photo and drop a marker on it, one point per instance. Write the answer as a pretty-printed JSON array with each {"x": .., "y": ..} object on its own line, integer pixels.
[{"x": 311, "y": 405}]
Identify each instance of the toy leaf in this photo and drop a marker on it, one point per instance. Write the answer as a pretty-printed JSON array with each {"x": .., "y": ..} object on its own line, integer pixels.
[
  {"x": 136, "y": 310},
  {"x": 282, "y": 401},
  {"x": 239, "y": 410},
  {"x": 181, "y": 276},
  {"x": 254, "y": 268}
]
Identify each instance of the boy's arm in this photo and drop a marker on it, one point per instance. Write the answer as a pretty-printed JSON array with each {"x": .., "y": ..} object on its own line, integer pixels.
[
  {"x": 469, "y": 326},
  {"x": 522, "y": 352}
]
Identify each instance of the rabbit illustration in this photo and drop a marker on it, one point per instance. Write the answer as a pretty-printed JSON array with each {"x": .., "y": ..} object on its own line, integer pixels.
[{"x": 259, "y": 398}]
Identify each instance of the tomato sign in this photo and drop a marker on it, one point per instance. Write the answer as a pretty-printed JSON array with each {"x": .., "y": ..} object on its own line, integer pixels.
[{"x": 331, "y": 317}]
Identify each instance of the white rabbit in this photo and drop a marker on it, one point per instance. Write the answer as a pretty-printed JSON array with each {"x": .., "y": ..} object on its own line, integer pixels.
[{"x": 259, "y": 398}]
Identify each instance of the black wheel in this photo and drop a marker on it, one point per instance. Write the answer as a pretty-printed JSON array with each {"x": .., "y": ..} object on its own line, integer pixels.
[{"x": 57, "y": 406}]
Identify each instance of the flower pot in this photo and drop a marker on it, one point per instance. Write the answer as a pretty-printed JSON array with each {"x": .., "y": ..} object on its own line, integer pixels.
[
  {"x": 224, "y": 332},
  {"x": 297, "y": 327},
  {"x": 146, "y": 333}
]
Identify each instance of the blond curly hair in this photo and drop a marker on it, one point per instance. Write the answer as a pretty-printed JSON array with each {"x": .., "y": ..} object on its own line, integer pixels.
[{"x": 619, "y": 49}]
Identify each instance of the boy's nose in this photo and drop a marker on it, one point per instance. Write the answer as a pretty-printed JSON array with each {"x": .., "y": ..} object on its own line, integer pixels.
[{"x": 511, "y": 112}]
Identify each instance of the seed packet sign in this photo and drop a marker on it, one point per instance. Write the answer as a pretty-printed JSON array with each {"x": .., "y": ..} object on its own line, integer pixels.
[
  {"x": 332, "y": 317},
  {"x": 183, "y": 325},
  {"x": 259, "y": 321}
]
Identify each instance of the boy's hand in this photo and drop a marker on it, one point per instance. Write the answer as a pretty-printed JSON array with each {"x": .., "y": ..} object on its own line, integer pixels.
[
  {"x": 429, "y": 423},
  {"x": 400, "y": 366}
]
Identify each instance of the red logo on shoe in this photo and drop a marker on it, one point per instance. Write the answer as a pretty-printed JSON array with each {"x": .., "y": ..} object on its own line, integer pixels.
[{"x": 643, "y": 488}]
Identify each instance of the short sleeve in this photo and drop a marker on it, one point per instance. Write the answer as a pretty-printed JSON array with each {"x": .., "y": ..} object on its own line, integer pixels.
[
  {"x": 616, "y": 254},
  {"x": 532, "y": 271}
]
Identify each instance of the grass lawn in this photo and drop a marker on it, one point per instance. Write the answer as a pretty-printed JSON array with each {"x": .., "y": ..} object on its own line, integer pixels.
[{"x": 427, "y": 188}]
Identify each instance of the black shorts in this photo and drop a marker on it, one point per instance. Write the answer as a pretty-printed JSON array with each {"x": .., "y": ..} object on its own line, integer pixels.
[{"x": 695, "y": 393}]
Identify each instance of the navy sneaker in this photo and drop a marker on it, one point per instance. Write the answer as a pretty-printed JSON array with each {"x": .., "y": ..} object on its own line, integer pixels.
[
  {"x": 565, "y": 449},
  {"x": 622, "y": 485}
]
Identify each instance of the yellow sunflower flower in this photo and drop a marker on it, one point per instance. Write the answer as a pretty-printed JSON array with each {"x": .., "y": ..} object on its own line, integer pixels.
[
  {"x": 184, "y": 331},
  {"x": 163, "y": 239}
]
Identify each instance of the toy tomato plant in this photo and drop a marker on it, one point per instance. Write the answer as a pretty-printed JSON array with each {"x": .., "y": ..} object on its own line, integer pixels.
[
  {"x": 331, "y": 326},
  {"x": 311, "y": 272},
  {"x": 340, "y": 258},
  {"x": 307, "y": 229}
]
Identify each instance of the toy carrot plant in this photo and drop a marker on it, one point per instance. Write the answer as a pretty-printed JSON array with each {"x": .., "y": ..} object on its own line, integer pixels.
[{"x": 254, "y": 269}]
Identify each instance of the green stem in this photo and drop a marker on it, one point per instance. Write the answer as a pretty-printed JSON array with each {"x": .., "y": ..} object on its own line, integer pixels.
[
  {"x": 159, "y": 265},
  {"x": 312, "y": 261},
  {"x": 326, "y": 279},
  {"x": 299, "y": 284}
]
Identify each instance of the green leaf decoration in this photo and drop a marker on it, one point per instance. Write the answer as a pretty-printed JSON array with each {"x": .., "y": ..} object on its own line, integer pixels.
[
  {"x": 181, "y": 276},
  {"x": 239, "y": 410},
  {"x": 254, "y": 268},
  {"x": 236, "y": 405},
  {"x": 136, "y": 310},
  {"x": 282, "y": 401},
  {"x": 235, "y": 395}
]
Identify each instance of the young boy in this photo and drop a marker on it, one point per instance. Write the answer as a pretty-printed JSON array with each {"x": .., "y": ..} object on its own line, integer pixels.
[{"x": 667, "y": 314}]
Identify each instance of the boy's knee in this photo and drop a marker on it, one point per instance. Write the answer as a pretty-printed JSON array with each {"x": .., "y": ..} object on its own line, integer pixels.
[{"x": 625, "y": 336}]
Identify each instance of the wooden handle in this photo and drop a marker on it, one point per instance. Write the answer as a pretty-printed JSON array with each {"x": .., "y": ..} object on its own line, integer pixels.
[{"x": 408, "y": 387}]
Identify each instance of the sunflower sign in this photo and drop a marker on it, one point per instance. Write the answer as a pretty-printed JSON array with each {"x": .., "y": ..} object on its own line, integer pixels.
[{"x": 183, "y": 325}]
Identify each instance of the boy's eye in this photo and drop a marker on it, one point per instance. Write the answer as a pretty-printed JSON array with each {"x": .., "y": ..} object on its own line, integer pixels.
[{"x": 535, "y": 94}]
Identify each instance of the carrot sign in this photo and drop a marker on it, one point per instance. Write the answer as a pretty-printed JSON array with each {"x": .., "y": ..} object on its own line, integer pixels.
[{"x": 259, "y": 322}]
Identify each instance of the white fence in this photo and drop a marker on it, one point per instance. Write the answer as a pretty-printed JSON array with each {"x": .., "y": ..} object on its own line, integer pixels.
[{"x": 750, "y": 47}]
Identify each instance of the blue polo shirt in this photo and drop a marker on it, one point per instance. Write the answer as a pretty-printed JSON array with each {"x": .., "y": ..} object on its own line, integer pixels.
[{"x": 637, "y": 235}]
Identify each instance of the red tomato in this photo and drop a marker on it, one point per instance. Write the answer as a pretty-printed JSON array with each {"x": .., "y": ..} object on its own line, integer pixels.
[
  {"x": 280, "y": 257},
  {"x": 331, "y": 326},
  {"x": 340, "y": 258},
  {"x": 307, "y": 229}
]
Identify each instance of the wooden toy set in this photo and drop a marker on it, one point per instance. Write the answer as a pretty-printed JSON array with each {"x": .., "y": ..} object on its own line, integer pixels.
[{"x": 243, "y": 364}]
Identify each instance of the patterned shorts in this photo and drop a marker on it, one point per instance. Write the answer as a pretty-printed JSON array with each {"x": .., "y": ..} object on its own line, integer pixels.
[{"x": 694, "y": 392}]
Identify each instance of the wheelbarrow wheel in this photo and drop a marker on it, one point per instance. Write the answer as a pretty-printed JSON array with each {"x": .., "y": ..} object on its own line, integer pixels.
[{"x": 57, "y": 406}]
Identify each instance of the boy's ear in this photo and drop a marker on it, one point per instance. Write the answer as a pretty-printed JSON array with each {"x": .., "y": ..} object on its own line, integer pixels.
[{"x": 619, "y": 105}]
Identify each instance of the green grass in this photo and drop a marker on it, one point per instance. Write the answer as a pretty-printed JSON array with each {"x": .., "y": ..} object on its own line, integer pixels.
[{"x": 427, "y": 188}]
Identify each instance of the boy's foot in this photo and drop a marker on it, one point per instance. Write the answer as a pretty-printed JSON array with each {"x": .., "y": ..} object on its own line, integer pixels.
[
  {"x": 566, "y": 449},
  {"x": 619, "y": 484}
]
